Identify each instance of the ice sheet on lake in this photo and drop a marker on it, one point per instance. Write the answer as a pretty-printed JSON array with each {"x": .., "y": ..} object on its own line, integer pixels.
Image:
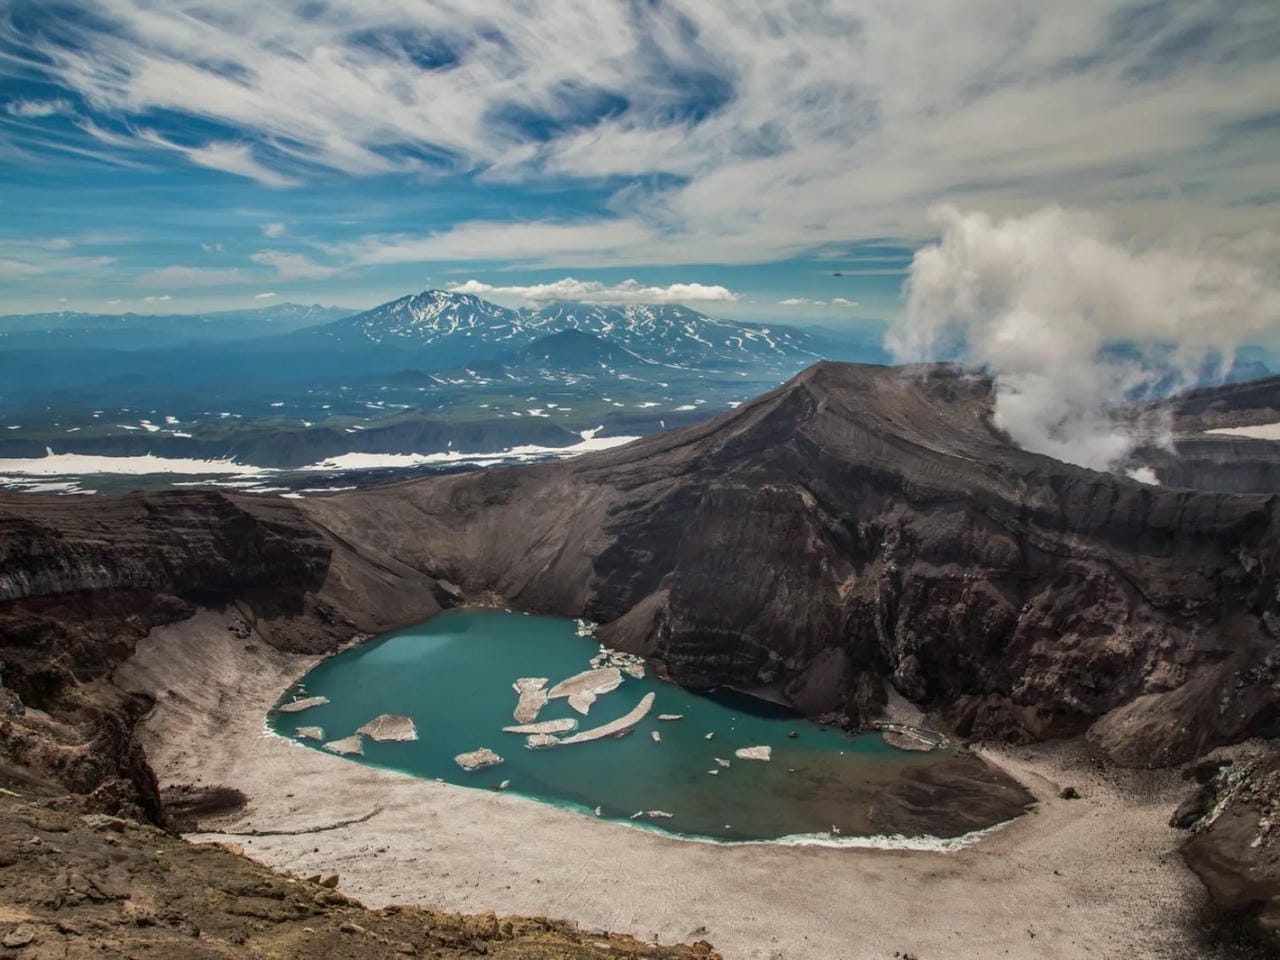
[
  {"x": 533, "y": 697},
  {"x": 390, "y": 727},
  {"x": 306, "y": 703},
  {"x": 477, "y": 759},
  {"x": 544, "y": 726},
  {"x": 353, "y": 744},
  {"x": 617, "y": 727}
]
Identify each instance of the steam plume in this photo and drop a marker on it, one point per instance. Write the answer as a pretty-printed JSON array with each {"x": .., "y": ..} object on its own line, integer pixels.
[{"x": 1037, "y": 300}]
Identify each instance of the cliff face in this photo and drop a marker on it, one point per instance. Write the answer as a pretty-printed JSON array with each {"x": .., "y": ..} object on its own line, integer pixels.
[
  {"x": 80, "y": 586},
  {"x": 857, "y": 527}
]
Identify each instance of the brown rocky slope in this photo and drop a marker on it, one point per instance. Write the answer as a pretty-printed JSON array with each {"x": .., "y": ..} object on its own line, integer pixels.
[{"x": 98, "y": 887}]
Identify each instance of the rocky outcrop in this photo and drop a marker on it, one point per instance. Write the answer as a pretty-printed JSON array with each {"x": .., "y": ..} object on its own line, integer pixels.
[
  {"x": 95, "y": 886},
  {"x": 1235, "y": 844}
]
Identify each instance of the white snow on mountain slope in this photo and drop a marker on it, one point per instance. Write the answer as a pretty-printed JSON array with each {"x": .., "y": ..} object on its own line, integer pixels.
[{"x": 664, "y": 333}]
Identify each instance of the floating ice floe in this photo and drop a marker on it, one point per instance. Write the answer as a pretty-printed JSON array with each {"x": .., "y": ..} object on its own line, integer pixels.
[
  {"x": 709, "y": 736},
  {"x": 754, "y": 753},
  {"x": 544, "y": 726},
  {"x": 582, "y": 689},
  {"x": 617, "y": 727},
  {"x": 657, "y": 737},
  {"x": 306, "y": 703},
  {"x": 390, "y": 727},
  {"x": 671, "y": 716},
  {"x": 353, "y": 744},
  {"x": 309, "y": 733},
  {"x": 658, "y": 815},
  {"x": 533, "y": 697},
  {"x": 722, "y": 762},
  {"x": 477, "y": 759},
  {"x": 628, "y": 663}
]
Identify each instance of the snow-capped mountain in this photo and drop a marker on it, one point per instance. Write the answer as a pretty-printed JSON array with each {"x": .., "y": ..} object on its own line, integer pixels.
[
  {"x": 423, "y": 319},
  {"x": 451, "y": 327},
  {"x": 676, "y": 335}
]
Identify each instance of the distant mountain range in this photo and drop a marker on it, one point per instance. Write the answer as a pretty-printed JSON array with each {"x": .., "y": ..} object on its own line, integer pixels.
[
  {"x": 452, "y": 328},
  {"x": 142, "y": 331}
]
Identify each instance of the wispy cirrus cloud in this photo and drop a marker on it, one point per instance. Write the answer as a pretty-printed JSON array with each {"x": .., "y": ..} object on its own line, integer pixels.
[
  {"x": 724, "y": 134},
  {"x": 52, "y": 256},
  {"x": 535, "y": 242},
  {"x": 292, "y": 266},
  {"x": 229, "y": 157},
  {"x": 184, "y": 277},
  {"x": 590, "y": 291},
  {"x": 34, "y": 109}
]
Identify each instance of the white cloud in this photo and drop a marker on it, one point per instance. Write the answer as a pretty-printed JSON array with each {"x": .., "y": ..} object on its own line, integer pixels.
[
  {"x": 591, "y": 291},
  {"x": 235, "y": 158},
  {"x": 832, "y": 121},
  {"x": 540, "y": 242},
  {"x": 1036, "y": 299},
  {"x": 273, "y": 230},
  {"x": 18, "y": 268},
  {"x": 263, "y": 296},
  {"x": 808, "y": 302},
  {"x": 33, "y": 109},
  {"x": 114, "y": 302},
  {"x": 48, "y": 255},
  {"x": 292, "y": 266},
  {"x": 184, "y": 277},
  {"x": 211, "y": 247},
  {"x": 158, "y": 299}
]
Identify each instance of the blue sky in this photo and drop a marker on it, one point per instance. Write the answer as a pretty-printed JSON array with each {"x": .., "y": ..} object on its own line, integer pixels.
[{"x": 761, "y": 159}]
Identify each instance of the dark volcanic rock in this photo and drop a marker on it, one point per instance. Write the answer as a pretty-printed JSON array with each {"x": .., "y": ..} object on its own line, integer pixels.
[{"x": 1237, "y": 851}]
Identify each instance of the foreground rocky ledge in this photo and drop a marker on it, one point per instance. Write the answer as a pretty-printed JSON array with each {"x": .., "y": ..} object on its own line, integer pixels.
[{"x": 94, "y": 886}]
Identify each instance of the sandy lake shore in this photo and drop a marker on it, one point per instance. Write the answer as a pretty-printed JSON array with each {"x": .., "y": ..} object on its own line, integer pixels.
[{"x": 1093, "y": 877}]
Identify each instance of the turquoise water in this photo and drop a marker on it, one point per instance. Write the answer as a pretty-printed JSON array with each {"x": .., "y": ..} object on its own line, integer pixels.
[{"x": 453, "y": 676}]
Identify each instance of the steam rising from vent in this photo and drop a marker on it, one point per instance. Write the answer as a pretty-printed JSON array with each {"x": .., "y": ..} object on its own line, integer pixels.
[{"x": 1044, "y": 300}]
